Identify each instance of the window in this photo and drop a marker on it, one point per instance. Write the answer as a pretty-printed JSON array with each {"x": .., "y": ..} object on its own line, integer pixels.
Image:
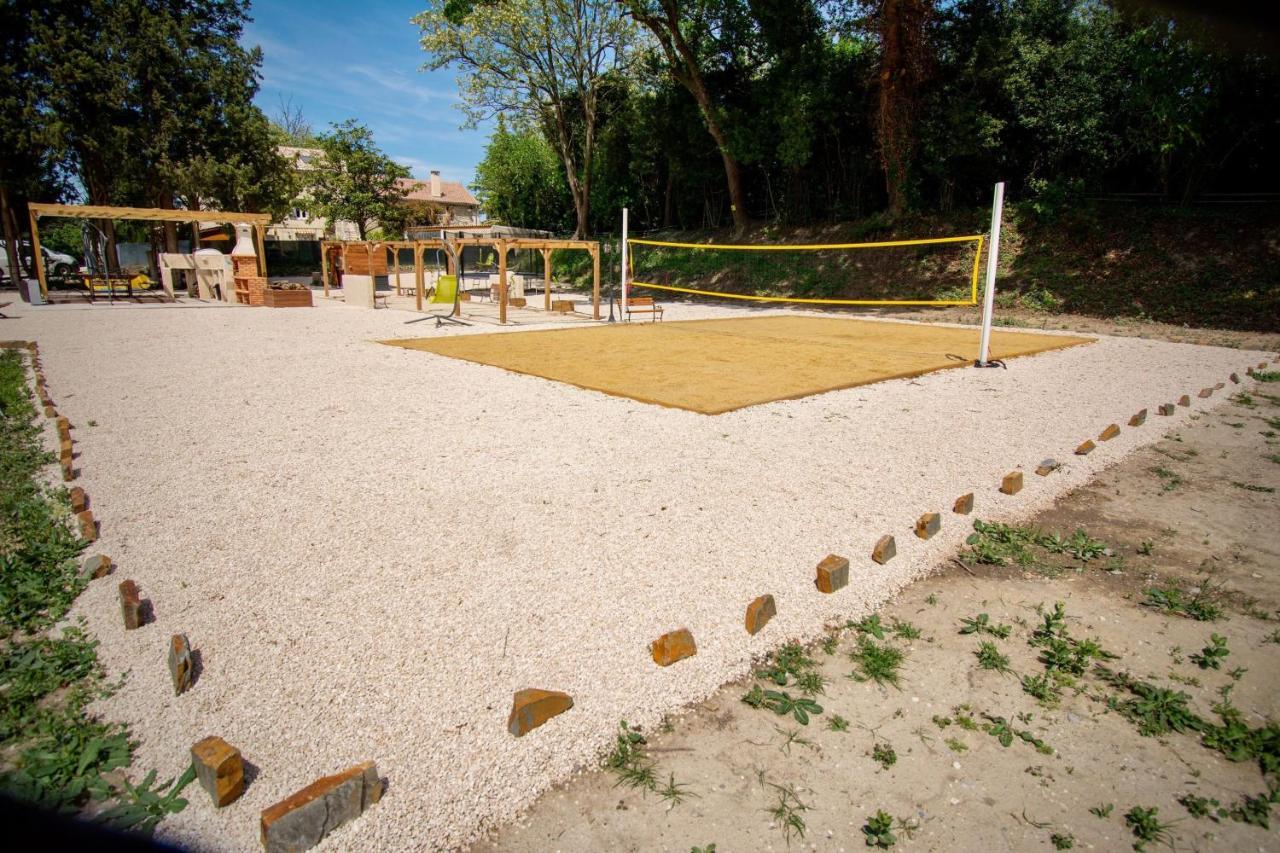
[{"x": 300, "y": 213}]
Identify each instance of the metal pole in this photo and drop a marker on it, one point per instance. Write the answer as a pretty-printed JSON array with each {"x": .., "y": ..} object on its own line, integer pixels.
[
  {"x": 989, "y": 297},
  {"x": 624, "y": 263}
]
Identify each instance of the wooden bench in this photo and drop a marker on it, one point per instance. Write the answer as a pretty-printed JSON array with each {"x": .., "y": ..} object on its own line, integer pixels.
[{"x": 643, "y": 305}]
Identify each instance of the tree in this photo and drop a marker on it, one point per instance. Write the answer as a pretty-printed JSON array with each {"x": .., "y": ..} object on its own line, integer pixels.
[
  {"x": 904, "y": 66},
  {"x": 520, "y": 182},
  {"x": 293, "y": 125},
  {"x": 541, "y": 60},
  {"x": 354, "y": 180}
]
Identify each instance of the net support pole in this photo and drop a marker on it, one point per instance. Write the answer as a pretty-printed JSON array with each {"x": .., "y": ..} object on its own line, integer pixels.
[
  {"x": 989, "y": 295},
  {"x": 625, "y": 256}
]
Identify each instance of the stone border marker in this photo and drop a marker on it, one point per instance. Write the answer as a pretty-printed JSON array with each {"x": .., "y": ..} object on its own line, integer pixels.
[
  {"x": 219, "y": 769},
  {"x": 759, "y": 612},
  {"x": 673, "y": 646},
  {"x": 1139, "y": 419},
  {"x": 1184, "y": 401},
  {"x": 1205, "y": 393},
  {"x": 79, "y": 500},
  {"x": 88, "y": 527},
  {"x": 963, "y": 504},
  {"x": 928, "y": 525},
  {"x": 1047, "y": 467},
  {"x": 1109, "y": 433},
  {"x": 1086, "y": 447},
  {"x": 532, "y": 707},
  {"x": 302, "y": 820},
  {"x": 130, "y": 605},
  {"x": 1012, "y": 483},
  {"x": 832, "y": 574},
  {"x": 97, "y": 566},
  {"x": 1167, "y": 409},
  {"x": 886, "y": 549},
  {"x": 180, "y": 666}
]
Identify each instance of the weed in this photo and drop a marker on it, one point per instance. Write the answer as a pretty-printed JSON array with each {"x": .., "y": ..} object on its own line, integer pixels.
[
  {"x": 940, "y": 721},
  {"x": 786, "y": 663},
  {"x": 993, "y": 543},
  {"x": 782, "y": 703},
  {"x": 1250, "y": 487},
  {"x": 1267, "y": 376},
  {"x": 1256, "y": 811},
  {"x": 1212, "y": 655},
  {"x": 879, "y": 830},
  {"x": 869, "y": 625},
  {"x": 956, "y": 745},
  {"x": 1273, "y": 637},
  {"x": 628, "y": 760},
  {"x": 884, "y": 755},
  {"x": 674, "y": 793},
  {"x": 964, "y": 718},
  {"x": 1042, "y": 688},
  {"x": 790, "y": 738},
  {"x": 1102, "y": 810},
  {"x": 905, "y": 630},
  {"x": 838, "y": 723},
  {"x": 1062, "y": 841},
  {"x": 144, "y": 805},
  {"x": 989, "y": 657},
  {"x": 1154, "y": 710},
  {"x": 788, "y": 811},
  {"x": 1147, "y": 547},
  {"x": 1171, "y": 599},
  {"x": 878, "y": 663},
  {"x": 931, "y": 600},
  {"x": 1199, "y": 807},
  {"x": 706, "y": 848},
  {"x": 1146, "y": 826},
  {"x": 1003, "y": 731},
  {"x": 830, "y": 644},
  {"x": 981, "y": 624},
  {"x": 1170, "y": 480},
  {"x": 811, "y": 683}
]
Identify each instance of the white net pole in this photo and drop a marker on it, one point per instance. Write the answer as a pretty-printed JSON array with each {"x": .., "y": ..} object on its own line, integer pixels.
[
  {"x": 993, "y": 256},
  {"x": 625, "y": 256}
]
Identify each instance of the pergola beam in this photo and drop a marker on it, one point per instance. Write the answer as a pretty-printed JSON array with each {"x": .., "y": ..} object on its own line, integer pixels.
[{"x": 150, "y": 214}]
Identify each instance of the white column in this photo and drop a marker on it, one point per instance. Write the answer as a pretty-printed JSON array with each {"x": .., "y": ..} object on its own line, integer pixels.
[
  {"x": 993, "y": 256},
  {"x": 624, "y": 263}
]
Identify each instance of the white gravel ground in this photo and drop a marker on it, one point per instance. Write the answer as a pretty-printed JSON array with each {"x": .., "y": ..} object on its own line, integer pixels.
[{"x": 372, "y": 548}]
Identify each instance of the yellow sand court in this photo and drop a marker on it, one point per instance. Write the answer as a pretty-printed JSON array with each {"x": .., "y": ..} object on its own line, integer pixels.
[{"x": 716, "y": 366}]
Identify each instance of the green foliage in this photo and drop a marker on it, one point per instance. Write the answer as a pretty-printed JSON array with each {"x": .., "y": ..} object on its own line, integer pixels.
[
  {"x": 981, "y": 624},
  {"x": 1062, "y": 840},
  {"x": 520, "y": 181},
  {"x": 1200, "y": 807},
  {"x": 880, "y": 663},
  {"x": 1102, "y": 810},
  {"x": 884, "y": 755},
  {"x": 837, "y": 723},
  {"x": 990, "y": 657},
  {"x": 354, "y": 180},
  {"x": 1171, "y": 599},
  {"x": 788, "y": 811},
  {"x": 782, "y": 703},
  {"x": 1212, "y": 655},
  {"x": 878, "y": 830},
  {"x": 1146, "y": 826}
]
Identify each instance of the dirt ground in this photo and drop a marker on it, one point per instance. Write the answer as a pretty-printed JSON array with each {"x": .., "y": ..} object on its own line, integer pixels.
[{"x": 1197, "y": 511}]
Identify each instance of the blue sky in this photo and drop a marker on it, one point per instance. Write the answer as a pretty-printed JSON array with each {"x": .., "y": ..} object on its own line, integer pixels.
[{"x": 340, "y": 60}]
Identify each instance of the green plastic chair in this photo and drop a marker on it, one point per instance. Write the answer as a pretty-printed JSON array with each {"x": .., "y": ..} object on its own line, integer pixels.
[{"x": 446, "y": 290}]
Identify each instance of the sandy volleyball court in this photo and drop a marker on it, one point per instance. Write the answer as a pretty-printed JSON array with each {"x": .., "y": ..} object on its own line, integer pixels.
[{"x": 371, "y": 548}]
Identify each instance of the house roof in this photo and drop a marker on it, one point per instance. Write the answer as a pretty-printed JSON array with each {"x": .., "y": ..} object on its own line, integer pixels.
[{"x": 451, "y": 192}]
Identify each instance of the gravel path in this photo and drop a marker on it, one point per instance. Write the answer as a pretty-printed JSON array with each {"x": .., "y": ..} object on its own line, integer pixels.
[{"x": 372, "y": 548}]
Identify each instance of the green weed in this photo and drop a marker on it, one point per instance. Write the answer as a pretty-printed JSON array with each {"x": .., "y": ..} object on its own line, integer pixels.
[
  {"x": 1212, "y": 655},
  {"x": 878, "y": 830},
  {"x": 1102, "y": 810},
  {"x": 884, "y": 755},
  {"x": 989, "y": 657},
  {"x": 981, "y": 624},
  {"x": 878, "y": 663},
  {"x": 788, "y": 812},
  {"x": 837, "y": 723},
  {"x": 1171, "y": 599},
  {"x": 1062, "y": 841},
  {"x": 1146, "y": 827},
  {"x": 1250, "y": 487}
]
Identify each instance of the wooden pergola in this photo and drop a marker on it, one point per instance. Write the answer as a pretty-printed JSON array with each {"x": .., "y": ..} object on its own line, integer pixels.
[
  {"x": 500, "y": 245},
  {"x": 259, "y": 221}
]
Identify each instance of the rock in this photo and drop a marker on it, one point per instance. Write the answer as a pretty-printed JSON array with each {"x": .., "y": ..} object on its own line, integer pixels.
[
  {"x": 62, "y": 424},
  {"x": 1205, "y": 393},
  {"x": 531, "y": 708},
  {"x": 1139, "y": 419},
  {"x": 673, "y": 646},
  {"x": 1012, "y": 483},
  {"x": 302, "y": 820},
  {"x": 963, "y": 504},
  {"x": 130, "y": 605},
  {"x": 68, "y": 471},
  {"x": 97, "y": 566},
  {"x": 1110, "y": 432},
  {"x": 1047, "y": 467},
  {"x": 886, "y": 549},
  {"x": 1235, "y": 378},
  {"x": 1218, "y": 386},
  {"x": 1262, "y": 365},
  {"x": 833, "y": 574},
  {"x": 180, "y": 663},
  {"x": 517, "y": 302},
  {"x": 928, "y": 525},
  {"x": 50, "y": 412},
  {"x": 562, "y": 306},
  {"x": 220, "y": 770},
  {"x": 1167, "y": 409},
  {"x": 1085, "y": 448},
  {"x": 79, "y": 500},
  {"x": 760, "y": 611},
  {"x": 1184, "y": 400},
  {"x": 88, "y": 527},
  {"x": 65, "y": 450}
]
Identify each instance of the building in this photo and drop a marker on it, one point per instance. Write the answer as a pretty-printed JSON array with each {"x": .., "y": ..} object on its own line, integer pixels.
[{"x": 447, "y": 202}]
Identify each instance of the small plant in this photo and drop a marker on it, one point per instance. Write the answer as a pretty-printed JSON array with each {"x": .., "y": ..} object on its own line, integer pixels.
[
  {"x": 1266, "y": 375},
  {"x": 628, "y": 760},
  {"x": 790, "y": 738},
  {"x": 981, "y": 624},
  {"x": 830, "y": 644},
  {"x": 1256, "y": 811},
  {"x": 1043, "y": 688},
  {"x": 838, "y": 723},
  {"x": 931, "y": 599},
  {"x": 1171, "y": 599},
  {"x": 1062, "y": 841},
  {"x": 788, "y": 811},
  {"x": 706, "y": 848},
  {"x": 811, "y": 683},
  {"x": 879, "y": 830},
  {"x": 787, "y": 663},
  {"x": 884, "y": 755},
  {"x": 905, "y": 630},
  {"x": 1147, "y": 547},
  {"x": 869, "y": 625},
  {"x": 1212, "y": 655},
  {"x": 674, "y": 792},
  {"x": 1102, "y": 810},
  {"x": 878, "y": 663},
  {"x": 782, "y": 703},
  {"x": 1146, "y": 826},
  {"x": 1199, "y": 807},
  {"x": 1251, "y": 487},
  {"x": 989, "y": 657},
  {"x": 956, "y": 745},
  {"x": 1169, "y": 480}
]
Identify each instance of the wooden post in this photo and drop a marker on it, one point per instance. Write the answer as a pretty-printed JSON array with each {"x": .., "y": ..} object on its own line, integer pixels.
[
  {"x": 324, "y": 267},
  {"x": 195, "y": 236},
  {"x": 262, "y": 250},
  {"x": 37, "y": 257},
  {"x": 595, "y": 281},
  {"x": 502, "y": 281},
  {"x": 396, "y": 266},
  {"x": 417, "y": 273},
  {"x": 546, "y": 279},
  {"x": 341, "y": 275}
]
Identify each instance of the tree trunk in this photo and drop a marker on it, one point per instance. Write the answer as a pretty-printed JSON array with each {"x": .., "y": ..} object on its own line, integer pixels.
[
  {"x": 668, "y": 199},
  {"x": 903, "y": 62},
  {"x": 10, "y": 232}
]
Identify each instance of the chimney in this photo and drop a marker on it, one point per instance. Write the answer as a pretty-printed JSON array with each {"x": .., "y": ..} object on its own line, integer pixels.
[{"x": 436, "y": 190}]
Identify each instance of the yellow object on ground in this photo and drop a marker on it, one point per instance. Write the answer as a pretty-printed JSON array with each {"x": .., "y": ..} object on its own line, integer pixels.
[{"x": 716, "y": 366}]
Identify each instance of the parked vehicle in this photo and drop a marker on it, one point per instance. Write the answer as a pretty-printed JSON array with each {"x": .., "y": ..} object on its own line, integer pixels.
[{"x": 56, "y": 264}]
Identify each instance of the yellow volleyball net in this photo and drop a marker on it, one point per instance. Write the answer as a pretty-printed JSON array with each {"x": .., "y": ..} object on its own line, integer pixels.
[{"x": 920, "y": 272}]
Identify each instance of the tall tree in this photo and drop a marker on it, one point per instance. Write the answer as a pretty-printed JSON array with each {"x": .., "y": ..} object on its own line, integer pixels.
[
  {"x": 904, "y": 66},
  {"x": 541, "y": 60},
  {"x": 355, "y": 181},
  {"x": 520, "y": 180}
]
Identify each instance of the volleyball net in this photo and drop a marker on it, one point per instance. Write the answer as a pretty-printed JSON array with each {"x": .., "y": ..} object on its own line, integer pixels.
[{"x": 932, "y": 271}]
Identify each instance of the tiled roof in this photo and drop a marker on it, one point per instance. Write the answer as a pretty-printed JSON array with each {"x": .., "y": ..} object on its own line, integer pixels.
[{"x": 451, "y": 192}]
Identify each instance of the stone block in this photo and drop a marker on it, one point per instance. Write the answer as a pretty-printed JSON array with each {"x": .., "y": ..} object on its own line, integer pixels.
[
  {"x": 1184, "y": 401},
  {"x": 833, "y": 574},
  {"x": 885, "y": 550},
  {"x": 1235, "y": 378},
  {"x": 50, "y": 412},
  {"x": 1167, "y": 409},
  {"x": 562, "y": 306},
  {"x": 517, "y": 302},
  {"x": 68, "y": 472},
  {"x": 79, "y": 500},
  {"x": 531, "y": 708},
  {"x": 66, "y": 450},
  {"x": 673, "y": 646},
  {"x": 963, "y": 504},
  {"x": 1110, "y": 432},
  {"x": 1262, "y": 365},
  {"x": 88, "y": 527},
  {"x": 1205, "y": 393},
  {"x": 1139, "y": 419},
  {"x": 219, "y": 769},
  {"x": 1012, "y": 483},
  {"x": 928, "y": 525},
  {"x": 130, "y": 605},
  {"x": 759, "y": 612},
  {"x": 1218, "y": 386},
  {"x": 1085, "y": 448},
  {"x": 180, "y": 666},
  {"x": 97, "y": 566},
  {"x": 303, "y": 819},
  {"x": 1047, "y": 467}
]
